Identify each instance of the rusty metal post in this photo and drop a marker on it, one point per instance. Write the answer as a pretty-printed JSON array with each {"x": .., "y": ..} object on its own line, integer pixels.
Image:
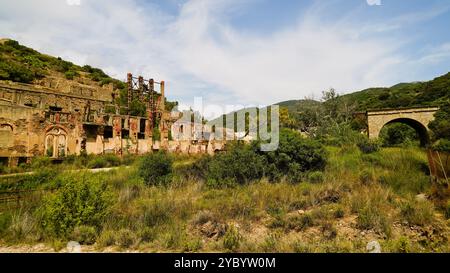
[
  {"x": 130, "y": 90},
  {"x": 150, "y": 108},
  {"x": 141, "y": 88},
  {"x": 162, "y": 122},
  {"x": 162, "y": 106}
]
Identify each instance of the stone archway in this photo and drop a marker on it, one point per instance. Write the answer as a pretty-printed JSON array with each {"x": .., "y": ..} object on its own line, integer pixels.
[
  {"x": 417, "y": 118},
  {"x": 421, "y": 130},
  {"x": 56, "y": 142}
]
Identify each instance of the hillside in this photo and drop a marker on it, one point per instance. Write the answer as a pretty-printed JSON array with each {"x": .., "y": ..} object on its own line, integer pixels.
[
  {"x": 19, "y": 63},
  {"x": 430, "y": 93}
]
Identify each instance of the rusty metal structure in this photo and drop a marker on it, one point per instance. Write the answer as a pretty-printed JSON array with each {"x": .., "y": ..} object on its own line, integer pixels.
[{"x": 144, "y": 90}]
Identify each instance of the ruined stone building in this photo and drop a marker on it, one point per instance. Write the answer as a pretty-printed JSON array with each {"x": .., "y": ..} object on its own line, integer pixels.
[{"x": 55, "y": 117}]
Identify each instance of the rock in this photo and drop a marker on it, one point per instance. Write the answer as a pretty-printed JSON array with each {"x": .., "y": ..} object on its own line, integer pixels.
[
  {"x": 373, "y": 247},
  {"x": 421, "y": 197},
  {"x": 73, "y": 247}
]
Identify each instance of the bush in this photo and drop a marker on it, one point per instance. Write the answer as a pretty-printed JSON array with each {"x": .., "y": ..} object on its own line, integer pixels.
[
  {"x": 240, "y": 164},
  {"x": 125, "y": 238},
  {"x": 84, "y": 234},
  {"x": 442, "y": 145},
  {"x": 316, "y": 177},
  {"x": 41, "y": 162},
  {"x": 339, "y": 212},
  {"x": 232, "y": 238},
  {"x": 103, "y": 161},
  {"x": 368, "y": 146},
  {"x": 300, "y": 222},
  {"x": 147, "y": 234},
  {"x": 107, "y": 238},
  {"x": 156, "y": 169},
  {"x": 22, "y": 225},
  {"x": 70, "y": 74},
  {"x": 370, "y": 217},
  {"x": 417, "y": 212},
  {"x": 294, "y": 155},
  {"x": 397, "y": 133},
  {"x": 83, "y": 202},
  {"x": 440, "y": 126}
]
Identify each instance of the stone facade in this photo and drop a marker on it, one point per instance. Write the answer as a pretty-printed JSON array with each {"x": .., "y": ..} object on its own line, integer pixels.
[{"x": 57, "y": 118}]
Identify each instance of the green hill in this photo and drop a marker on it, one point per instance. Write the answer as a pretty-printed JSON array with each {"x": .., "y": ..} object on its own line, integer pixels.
[
  {"x": 430, "y": 93},
  {"x": 19, "y": 63}
]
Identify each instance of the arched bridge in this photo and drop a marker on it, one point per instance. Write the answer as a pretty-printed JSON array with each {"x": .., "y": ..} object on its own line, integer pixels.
[{"x": 418, "y": 118}]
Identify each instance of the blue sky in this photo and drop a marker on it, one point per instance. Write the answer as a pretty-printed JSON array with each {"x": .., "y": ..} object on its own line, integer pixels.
[{"x": 246, "y": 52}]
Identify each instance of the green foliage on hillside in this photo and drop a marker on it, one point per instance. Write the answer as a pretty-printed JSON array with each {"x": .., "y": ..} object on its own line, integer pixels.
[
  {"x": 430, "y": 93},
  {"x": 22, "y": 64},
  {"x": 440, "y": 128}
]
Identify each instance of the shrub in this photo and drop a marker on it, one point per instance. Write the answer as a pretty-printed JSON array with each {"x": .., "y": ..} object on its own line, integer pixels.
[
  {"x": 202, "y": 217},
  {"x": 396, "y": 134},
  {"x": 156, "y": 169},
  {"x": 300, "y": 222},
  {"x": 240, "y": 164},
  {"x": 440, "y": 126},
  {"x": 147, "y": 234},
  {"x": 294, "y": 155},
  {"x": 368, "y": 146},
  {"x": 84, "y": 234},
  {"x": 22, "y": 225},
  {"x": 417, "y": 212},
  {"x": 125, "y": 238},
  {"x": 316, "y": 177},
  {"x": 84, "y": 202},
  {"x": 40, "y": 162},
  {"x": 107, "y": 238},
  {"x": 103, "y": 161},
  {"x": 371, "y": 217},
  {"x": 70, "y": 74},
  {"x": 339, "y": 212},
  {"x": 442, "y": 145},
  {"x": 328, "y": 230},
  {"x": 192, "y": 245},
  {"x": 232, "y": 238}
]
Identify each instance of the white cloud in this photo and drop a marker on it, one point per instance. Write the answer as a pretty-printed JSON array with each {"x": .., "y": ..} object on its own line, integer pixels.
[{"x": 199, "y": 53}]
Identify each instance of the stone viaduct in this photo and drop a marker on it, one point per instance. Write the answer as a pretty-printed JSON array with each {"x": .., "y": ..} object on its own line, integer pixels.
[{"x": 418, "y": 118}]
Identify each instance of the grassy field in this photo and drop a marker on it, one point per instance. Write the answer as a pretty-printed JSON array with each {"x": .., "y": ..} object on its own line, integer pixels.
[{"x": 358, "y": 198}]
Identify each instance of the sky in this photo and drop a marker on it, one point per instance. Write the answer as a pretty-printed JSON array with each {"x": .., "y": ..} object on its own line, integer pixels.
[{"x": 242, "y": 52}]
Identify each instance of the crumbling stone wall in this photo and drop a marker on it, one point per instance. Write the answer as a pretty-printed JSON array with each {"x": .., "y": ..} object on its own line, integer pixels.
[{"x": 56, "y": 118}]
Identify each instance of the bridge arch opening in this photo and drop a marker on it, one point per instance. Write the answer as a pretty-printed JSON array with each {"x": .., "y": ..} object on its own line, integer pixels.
[{"x": 420, "y": 129}]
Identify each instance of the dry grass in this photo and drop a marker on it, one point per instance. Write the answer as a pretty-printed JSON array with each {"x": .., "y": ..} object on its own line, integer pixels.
[{"x": 361, "y": 198}]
